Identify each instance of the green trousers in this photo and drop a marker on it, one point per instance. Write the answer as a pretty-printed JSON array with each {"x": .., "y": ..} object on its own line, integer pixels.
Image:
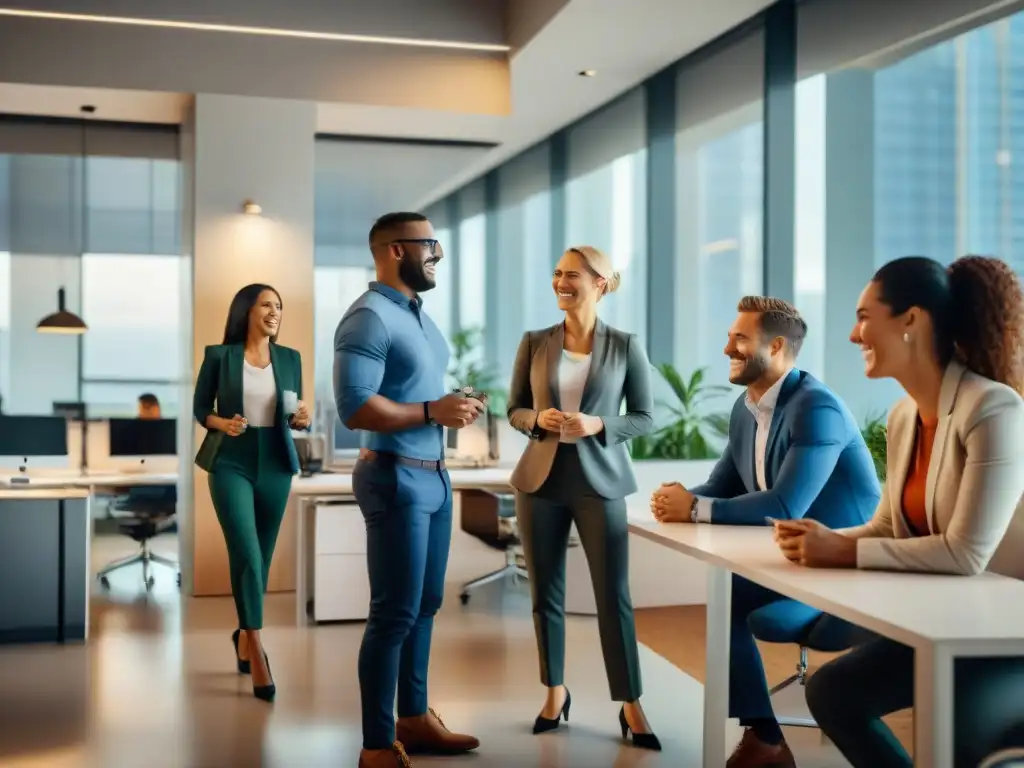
[
  {"x": 250, "y": 484},
  {"x": 545, "y": 518}
]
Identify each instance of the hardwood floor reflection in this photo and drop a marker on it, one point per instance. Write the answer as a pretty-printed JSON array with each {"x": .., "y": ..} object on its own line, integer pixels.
[{"x": 156, "y": 687}]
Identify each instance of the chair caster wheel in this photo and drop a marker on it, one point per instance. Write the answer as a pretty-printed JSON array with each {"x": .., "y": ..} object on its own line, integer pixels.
[
  {"x": 104, "y": 582},
  {"x": 150, "y": 582},
  {"x": 464, "y": 597}
]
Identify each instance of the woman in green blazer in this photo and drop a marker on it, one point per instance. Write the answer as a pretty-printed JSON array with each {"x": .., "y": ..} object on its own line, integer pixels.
[{"x": 248, "y": 396}]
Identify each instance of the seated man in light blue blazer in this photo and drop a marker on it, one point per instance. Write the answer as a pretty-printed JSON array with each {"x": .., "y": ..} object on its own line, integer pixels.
[{"x": 794, "y": 451}]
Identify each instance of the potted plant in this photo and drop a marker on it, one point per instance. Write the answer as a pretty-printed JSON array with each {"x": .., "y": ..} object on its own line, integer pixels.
[
  {"x": 876, "y": 435},
  {"x": 687, "y": 434},
  {"x": 467, "y": 368}
]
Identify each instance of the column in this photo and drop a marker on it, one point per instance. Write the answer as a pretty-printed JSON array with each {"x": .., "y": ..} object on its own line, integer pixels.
[{"x": 236, "y": 149}]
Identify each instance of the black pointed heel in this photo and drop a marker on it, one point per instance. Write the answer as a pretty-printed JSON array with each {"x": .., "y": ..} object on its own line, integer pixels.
[
  {"x": 244, "y": 667},
  {"x": 642, "y": 740},
  {"x": 265, "y": 692},
  {"x": 545, "y": 724}
]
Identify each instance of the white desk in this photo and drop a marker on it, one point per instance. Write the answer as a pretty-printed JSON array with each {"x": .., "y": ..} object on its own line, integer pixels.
[
  {"x": 75, "y": 479},
  {"x": 941, "y": 617},
  {"x": 311, "y": 491}
]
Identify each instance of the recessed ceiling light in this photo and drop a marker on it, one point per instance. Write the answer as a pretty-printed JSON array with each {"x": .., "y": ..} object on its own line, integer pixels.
[
  {"x": 268, "y": 31},
  {"x": 588, "y": 73}
]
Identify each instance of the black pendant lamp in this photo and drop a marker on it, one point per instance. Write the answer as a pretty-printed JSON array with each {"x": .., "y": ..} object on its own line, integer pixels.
[{"x": 62, "y": 321}]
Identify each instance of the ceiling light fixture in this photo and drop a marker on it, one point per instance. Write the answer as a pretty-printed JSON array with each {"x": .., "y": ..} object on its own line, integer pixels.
[
  {"x": 588, "y": 73},
  {"x": 62, "y": 321},
  {"x": 243, "y": 30},
  {"x": 252, "y": 208}
]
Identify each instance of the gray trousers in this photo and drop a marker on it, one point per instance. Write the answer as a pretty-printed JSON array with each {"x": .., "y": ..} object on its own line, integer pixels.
[{"x": 545, "y": 518}]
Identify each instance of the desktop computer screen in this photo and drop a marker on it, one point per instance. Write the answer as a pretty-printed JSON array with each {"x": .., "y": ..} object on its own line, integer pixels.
[
  {"x": 143, "y": 437},
  {"x": 42, "y": 440}
]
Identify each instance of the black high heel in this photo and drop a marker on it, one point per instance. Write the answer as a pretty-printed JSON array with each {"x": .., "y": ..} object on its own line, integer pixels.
[
  {"x": 642, "y": 740},
  {"x": 544, "y": 724},
  {"x": 244, "y": 667},
  {"x": 265, "y": 692}
]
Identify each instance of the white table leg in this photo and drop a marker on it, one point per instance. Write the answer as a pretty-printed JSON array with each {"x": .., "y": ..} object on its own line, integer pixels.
[
  {"x": 301, "y": 587},
  {"x": 716, "y": 675},
  {"x": 933, "y": 707}
]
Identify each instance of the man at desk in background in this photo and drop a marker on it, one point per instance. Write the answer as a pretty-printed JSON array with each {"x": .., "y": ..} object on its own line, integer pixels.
[
  {"x": 389, "y": 367},
  {"x": 149, "y": 407},
  {"x": 794, "y": 451}
]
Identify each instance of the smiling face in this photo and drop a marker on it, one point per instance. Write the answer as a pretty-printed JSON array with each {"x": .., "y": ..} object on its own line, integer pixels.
[
  {"x": 574, "y": 284},
  {"x": 265, "y": 315},
  {"x": 880, "y": 335},
  {"x": 750, "y": 357}
]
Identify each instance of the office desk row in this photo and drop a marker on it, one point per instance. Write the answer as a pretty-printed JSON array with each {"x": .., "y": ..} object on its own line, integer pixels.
[
  {"x": 44, "y": 565},
  {"x": 941, "y": 617}
]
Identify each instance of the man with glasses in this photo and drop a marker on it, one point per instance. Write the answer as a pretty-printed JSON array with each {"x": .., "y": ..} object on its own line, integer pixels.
[{"x": 389, "y": 368}]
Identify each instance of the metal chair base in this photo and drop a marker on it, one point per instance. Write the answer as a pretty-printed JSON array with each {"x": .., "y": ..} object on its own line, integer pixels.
[
  {"x": 146, "y": 557},
  {"x": 799, "y": 679},
  {"x": 512, "y": 570}
]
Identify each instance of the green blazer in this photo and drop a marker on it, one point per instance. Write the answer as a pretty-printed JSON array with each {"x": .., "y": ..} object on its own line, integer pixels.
[{"x": 219, "y": 390}]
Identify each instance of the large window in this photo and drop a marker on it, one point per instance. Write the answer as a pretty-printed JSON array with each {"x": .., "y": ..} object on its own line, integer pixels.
[
  {"x": 473, "y": 271},
  {"x": 606, "y": 202},
  {"x": 334, "y": 290},
  {"x": 719, "y": 199},
  {"x": 438, "y": 301},
  {"x": 5, "y": 325}
]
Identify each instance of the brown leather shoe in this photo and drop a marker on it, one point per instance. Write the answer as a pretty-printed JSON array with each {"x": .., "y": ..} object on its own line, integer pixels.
[
  {"x": 385, "y": 758},
  {"x": 751, "y": 752},
  {"x": 428, "y": 735}
]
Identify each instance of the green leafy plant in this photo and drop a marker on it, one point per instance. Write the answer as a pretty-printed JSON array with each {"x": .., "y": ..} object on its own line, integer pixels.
[
  {"x": 468, "y": 369},
  {"x": 876, "y": 436},
  {"x": 686, "y": 436}
]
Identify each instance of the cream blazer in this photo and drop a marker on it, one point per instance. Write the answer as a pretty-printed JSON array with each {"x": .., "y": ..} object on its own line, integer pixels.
[{"x": 975, "y": 488}]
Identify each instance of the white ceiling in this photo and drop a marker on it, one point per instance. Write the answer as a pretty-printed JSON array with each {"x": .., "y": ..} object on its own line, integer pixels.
[{"x": 625, "y": 42}]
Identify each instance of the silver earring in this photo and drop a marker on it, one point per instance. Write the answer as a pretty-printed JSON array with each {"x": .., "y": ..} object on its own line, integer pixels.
[{"x": 906, "y": 338}]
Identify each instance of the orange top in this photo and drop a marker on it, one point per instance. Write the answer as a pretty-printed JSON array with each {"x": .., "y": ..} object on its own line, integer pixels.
[{"x": 914, "y": 508}]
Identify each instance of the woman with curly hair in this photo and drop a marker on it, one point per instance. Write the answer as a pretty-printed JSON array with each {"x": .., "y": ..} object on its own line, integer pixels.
[{"x": 952, "y": 337}]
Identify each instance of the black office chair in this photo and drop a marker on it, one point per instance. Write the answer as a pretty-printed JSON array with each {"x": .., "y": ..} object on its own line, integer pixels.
[
  {"x": 143, "y": 514},
  {"x": 491, "y": 518},
  {"x": 827, "y": 634}
]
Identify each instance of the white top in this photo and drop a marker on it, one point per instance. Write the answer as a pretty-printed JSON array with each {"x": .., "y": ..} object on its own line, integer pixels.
[
  {"x": 259, "y": 395},
  {"x": 763, "y": 411},
  {"x": 573, "y": 369}
]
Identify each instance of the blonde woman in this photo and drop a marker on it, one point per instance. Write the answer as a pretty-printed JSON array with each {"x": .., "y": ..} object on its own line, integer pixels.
[{"x": 567, "y": 389}]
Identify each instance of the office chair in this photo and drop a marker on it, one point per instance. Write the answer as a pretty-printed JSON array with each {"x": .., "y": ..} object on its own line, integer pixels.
[
  {"x": 146, "y": 512},
  {"x": 826, "y": 634},
  {"x": 491, "y": 518},
  {"x": 1005, "y": 758}
]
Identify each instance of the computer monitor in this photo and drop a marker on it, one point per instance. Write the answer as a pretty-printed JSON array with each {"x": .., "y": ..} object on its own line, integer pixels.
[
  {"x": 72, "y": 411},
  {"x": 139, "y": 438},
  {"x": 31, "y": 442}
]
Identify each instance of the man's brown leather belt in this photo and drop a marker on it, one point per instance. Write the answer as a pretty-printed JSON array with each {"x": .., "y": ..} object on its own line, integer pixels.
[{"x": 380, "y": 457}]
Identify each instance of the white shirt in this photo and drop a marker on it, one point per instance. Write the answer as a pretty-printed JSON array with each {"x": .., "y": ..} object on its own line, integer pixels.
[
  {"x": 259, "y": 395},
  {"x": 763, "y": 412},
  {"x": 573, "y": 369}
]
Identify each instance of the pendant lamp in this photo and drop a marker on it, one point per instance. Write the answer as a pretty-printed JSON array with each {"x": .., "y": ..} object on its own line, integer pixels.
[{"x": 62, "y": 321}]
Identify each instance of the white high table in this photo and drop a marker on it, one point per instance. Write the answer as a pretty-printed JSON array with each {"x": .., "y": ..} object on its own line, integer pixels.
[
  {"x": 330, "y": 486},
  {"x": 941, "y": 617}
]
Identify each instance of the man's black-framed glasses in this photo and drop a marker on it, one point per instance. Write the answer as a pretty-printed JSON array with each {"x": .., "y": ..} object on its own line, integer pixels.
[{"x": 430, "y": 243}]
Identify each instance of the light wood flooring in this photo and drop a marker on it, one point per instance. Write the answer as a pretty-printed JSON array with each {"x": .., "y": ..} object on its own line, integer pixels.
[{"x": 155, "y": 686}]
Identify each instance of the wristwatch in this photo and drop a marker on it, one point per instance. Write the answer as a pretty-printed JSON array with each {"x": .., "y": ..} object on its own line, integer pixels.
[
  {"x": 693, "y": 509},
  {"x": 427, "y": 417}
]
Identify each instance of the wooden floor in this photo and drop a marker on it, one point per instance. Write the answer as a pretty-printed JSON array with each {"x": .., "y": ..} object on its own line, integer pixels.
[
  {"x": 155, "y": 686},
  {"x": 677, "y": 634}
]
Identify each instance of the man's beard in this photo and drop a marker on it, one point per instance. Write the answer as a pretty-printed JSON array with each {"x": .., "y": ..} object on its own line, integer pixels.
[
  {"x": 414, "y": 276},
  {"x": 753, "y": 369}
]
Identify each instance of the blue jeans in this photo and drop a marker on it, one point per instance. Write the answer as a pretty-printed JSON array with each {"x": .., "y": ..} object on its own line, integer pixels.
[
  {"x": 774, "y": 618},
  {"x": 408, "y": 514}
]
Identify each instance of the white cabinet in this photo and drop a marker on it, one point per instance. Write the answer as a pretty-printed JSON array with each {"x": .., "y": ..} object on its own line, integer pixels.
[{"x": 341, "y": 587}]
